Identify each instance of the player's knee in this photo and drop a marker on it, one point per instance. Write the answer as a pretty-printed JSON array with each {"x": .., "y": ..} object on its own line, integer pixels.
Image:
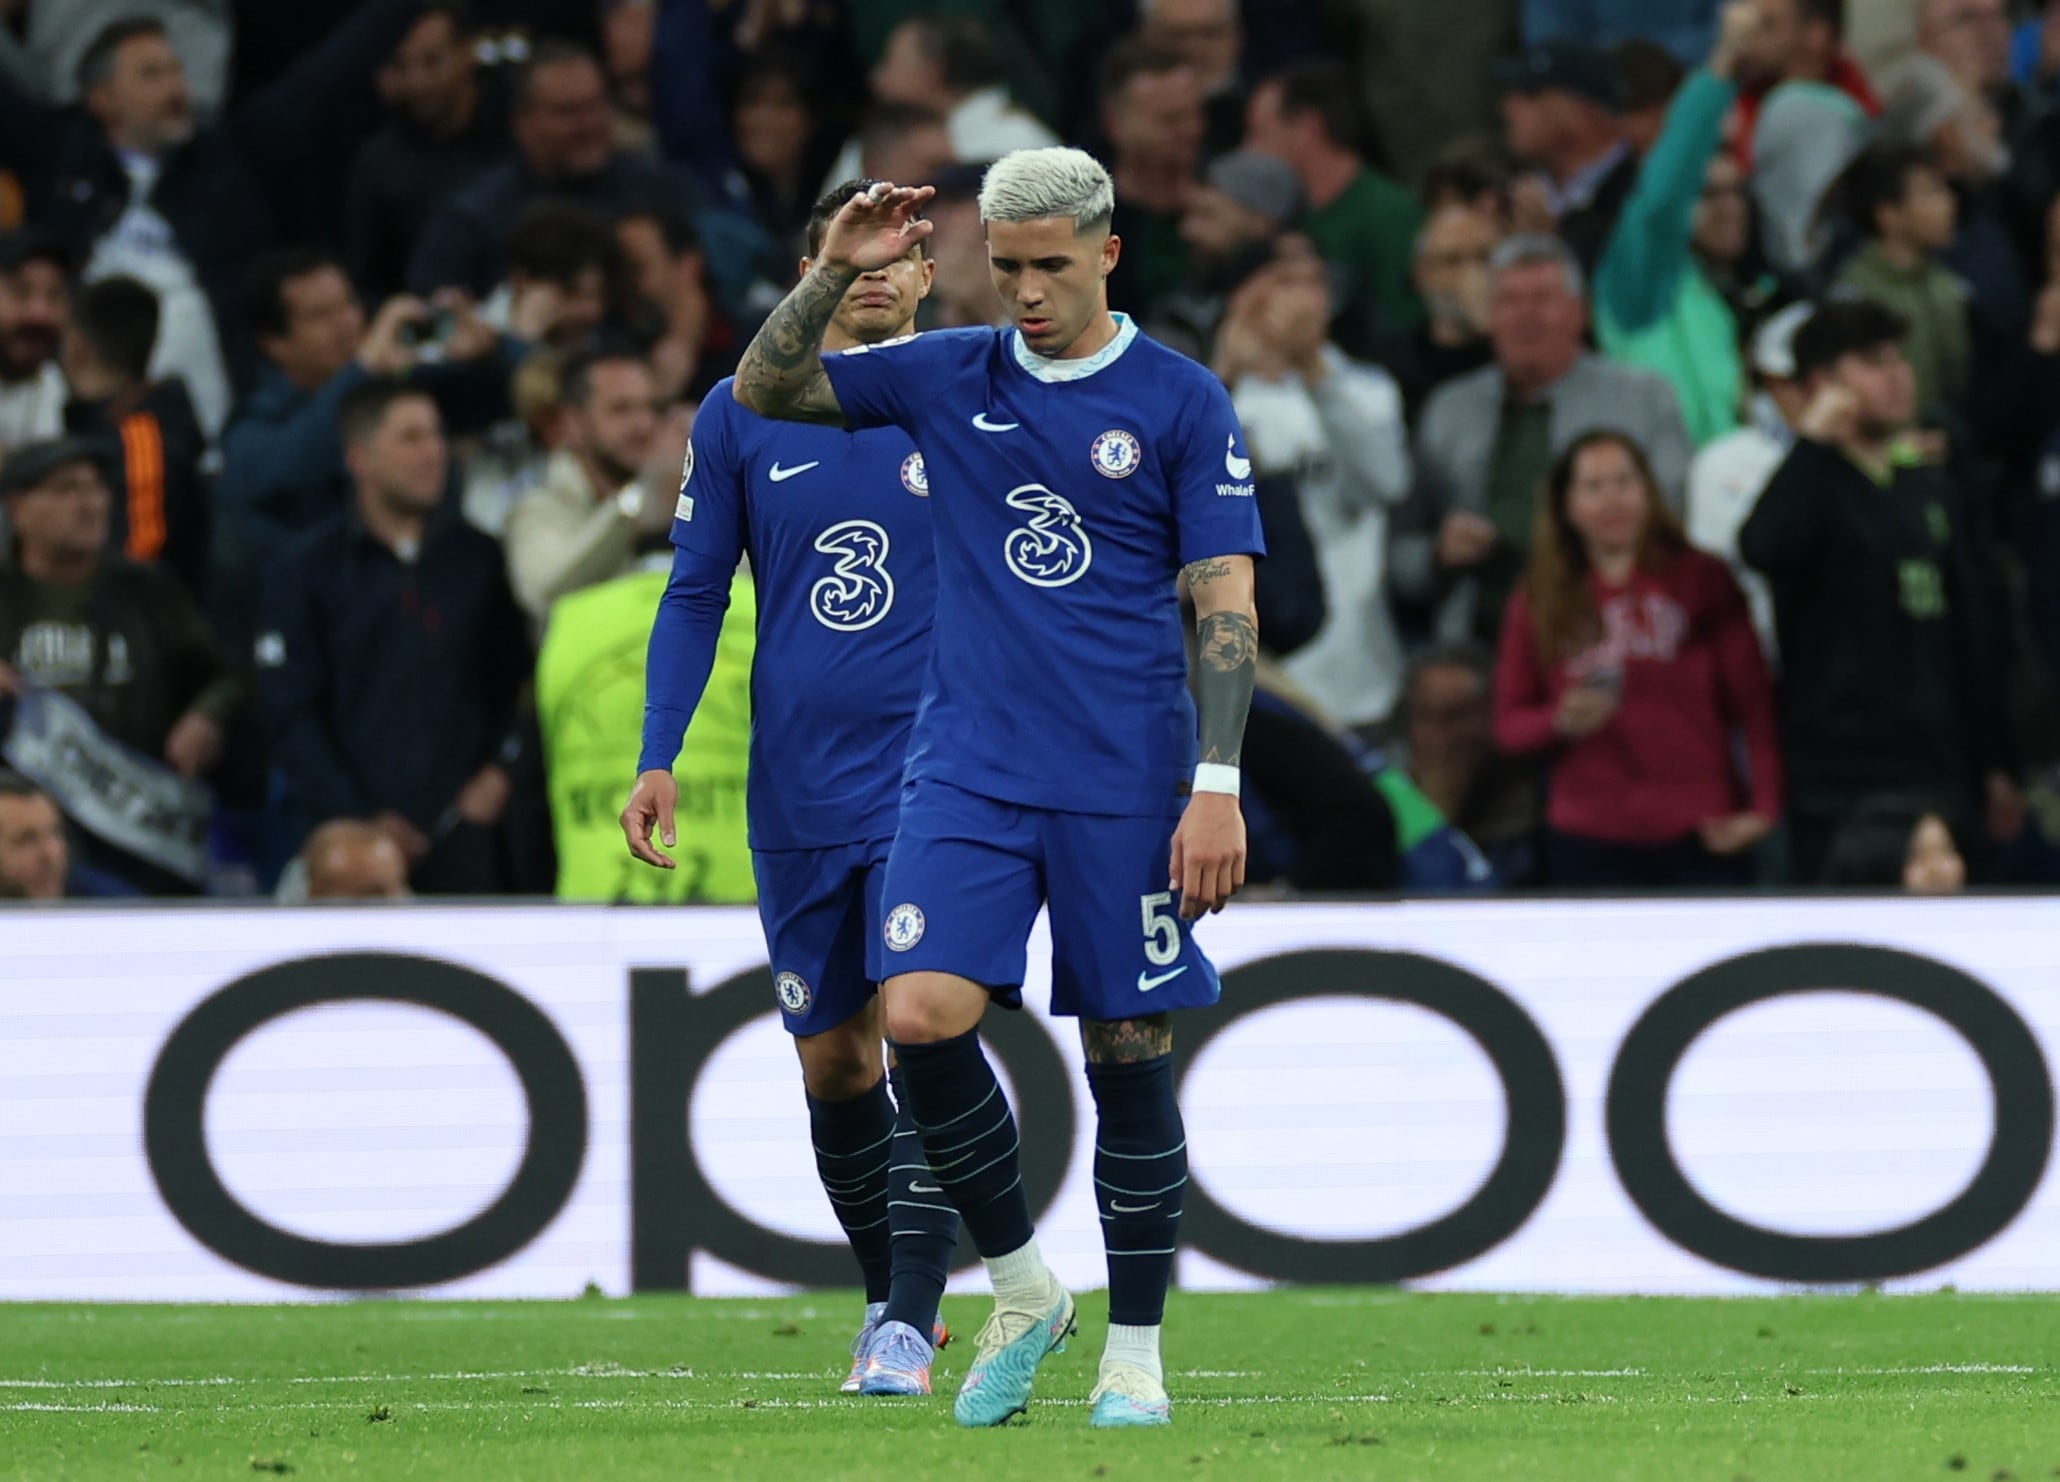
[
  {"x": 839, "y": 1065},
  {"x": 923, "y": 1008}
]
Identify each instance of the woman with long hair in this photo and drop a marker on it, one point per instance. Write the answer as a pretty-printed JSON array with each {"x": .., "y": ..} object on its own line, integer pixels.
[{"x": 1629, "y": 660}]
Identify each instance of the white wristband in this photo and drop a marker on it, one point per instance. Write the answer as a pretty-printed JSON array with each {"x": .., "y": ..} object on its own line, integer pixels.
[{"x": 1215, "y": 777}]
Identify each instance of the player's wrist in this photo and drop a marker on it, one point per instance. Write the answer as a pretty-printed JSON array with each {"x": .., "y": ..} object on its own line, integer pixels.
[{"x": 1218, "y": 778}]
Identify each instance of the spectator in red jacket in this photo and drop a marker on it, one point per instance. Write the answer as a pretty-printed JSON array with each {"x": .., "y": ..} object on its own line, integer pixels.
[{"x": 1629, "y": 659}]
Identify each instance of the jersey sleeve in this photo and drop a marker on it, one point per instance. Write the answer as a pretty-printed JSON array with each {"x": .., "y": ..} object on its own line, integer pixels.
[
  {"x": 883, "y": 385},
  {"x": 1215, "y": 503},
  {"x": 709, "y": 521}
]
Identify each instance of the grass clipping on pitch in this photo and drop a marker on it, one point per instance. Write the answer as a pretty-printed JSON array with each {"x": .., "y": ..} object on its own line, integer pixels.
[{"x": 1298, "y": 1384}]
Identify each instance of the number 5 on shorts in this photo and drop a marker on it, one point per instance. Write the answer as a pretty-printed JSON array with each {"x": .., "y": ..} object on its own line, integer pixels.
[{"x": 1161, "y": 928}]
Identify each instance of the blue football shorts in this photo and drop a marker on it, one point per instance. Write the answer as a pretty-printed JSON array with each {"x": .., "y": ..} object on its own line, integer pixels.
[
  {"x": 821, "y": 912},
  {"x": 967, "y": 873}
]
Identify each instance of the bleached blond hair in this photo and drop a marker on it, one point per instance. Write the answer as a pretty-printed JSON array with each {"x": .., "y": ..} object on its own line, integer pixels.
[{"x": 1033, "y": 184}]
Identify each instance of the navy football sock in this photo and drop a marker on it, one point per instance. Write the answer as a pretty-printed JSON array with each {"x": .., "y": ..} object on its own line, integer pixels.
[
  {"x": 969, "y": 1138},
  {"x": 852, "y": 1152},
  {"x": 1140, "y": 1178},
  {"x": 923, "y": 1224}
]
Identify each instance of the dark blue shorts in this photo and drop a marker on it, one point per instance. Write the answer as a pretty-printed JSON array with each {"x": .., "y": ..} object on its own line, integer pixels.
[
  {"x": 967, "y": 874},
  {"x": 821, "y": 912}
]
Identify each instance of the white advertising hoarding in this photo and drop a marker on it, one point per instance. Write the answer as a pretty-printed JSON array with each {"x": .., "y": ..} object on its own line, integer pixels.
[{"x": 1696, "y": 1097}]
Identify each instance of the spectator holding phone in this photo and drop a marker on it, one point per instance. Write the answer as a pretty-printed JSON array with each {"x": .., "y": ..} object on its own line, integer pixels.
[{"x": 1629, "y": 660}]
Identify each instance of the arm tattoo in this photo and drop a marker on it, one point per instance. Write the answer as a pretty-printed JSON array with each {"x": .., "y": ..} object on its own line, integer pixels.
[
  {"x": 781, "y": 374},
  {"x": 1126, "y": 1041},
  {"x": 1201, "y": 573},
  {"x": 1229, "y": 652}
]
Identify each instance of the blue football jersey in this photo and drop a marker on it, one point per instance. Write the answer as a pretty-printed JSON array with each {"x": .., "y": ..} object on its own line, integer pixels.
[
  {"x": 1069, "y": 494},
  {"x": 837, "y": 525}
]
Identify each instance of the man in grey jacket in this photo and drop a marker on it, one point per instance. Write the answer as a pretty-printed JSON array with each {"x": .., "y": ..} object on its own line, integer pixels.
[{"x": 1487, "y": 440}]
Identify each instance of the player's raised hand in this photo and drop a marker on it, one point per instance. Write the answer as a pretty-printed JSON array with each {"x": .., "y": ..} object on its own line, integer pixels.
[
  {"x": 1208, "y": 865},
  {"x": 876, "y": 227},
  {"x": 651, "y": 803}
]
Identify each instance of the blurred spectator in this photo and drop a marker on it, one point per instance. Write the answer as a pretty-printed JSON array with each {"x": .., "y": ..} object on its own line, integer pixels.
[
  {"x": 1650, "y": 78},
  {"x": 1653, "y": 304},
  {"x": 622, "y": 452},
  {"x": 1446, "y": 753},
  {"x": 1206, "y": 34},
  {"x": 1898, "y": 197},
  {"x": 152, "y": 443},
  {"x": 56, "y": 38},
  {"x": 1686, "y": 28},
  {"x": 906, "y": 143},
  {"x": 1727, "y": 477},
  {"x": 35, "y": 307},
  {"x": 1897, "y": 842},
  {"x": 349, "y": 860},
  {"x": 1317, "y": 822},
  {"x": 36, "y": 853},
  {"x": 1423, "y": 73},
  {"x": 1886, "y": 599},
  {"x": 1360, "y": 220},
  {"x": 123, "y": 642},
  {"x": 1452, "y": 255},
  {"x": 566, "y": 277},
  {"x": 694, "y": 344},
  {"x": 1470, "y": 176},
  {"x": 512, "y": 457},
  {"x": 951, "y": 63},
  {"x": 1971, "y": 40},
  {"x": 1801, "y": 118},
  {"x": 1726, "y": 242},
  {"x": 626, "y": 40},
  {"x": 134, "y": 186},
  {"x": 590, "y": 709},
  {"x": 283, "y": 467},
  {"x": 559, "y": 114},
  {"x": 1562, "y": 112},
  {"x": 392, "y": 655},
  {"x": 1151, "y": 111},
  {"x": 1487, "y": 440},
  {"x": 962, "y": 293},
  {"x": 2035, "y": 49},
  {"x": 1233, "y": 220},
  {"x": 1630, "y": 660},
  {"x": 450, "y": 126},
  {"x": 773, "y": 122},
  {"x": 1335, "y": 425}
]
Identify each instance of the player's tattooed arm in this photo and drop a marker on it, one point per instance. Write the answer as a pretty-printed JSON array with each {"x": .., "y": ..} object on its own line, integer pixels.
[
  {"x": 1228, "y": 626},
  {"x": 1127, "y": 1041},
  {"x": 781, "y": 374}
]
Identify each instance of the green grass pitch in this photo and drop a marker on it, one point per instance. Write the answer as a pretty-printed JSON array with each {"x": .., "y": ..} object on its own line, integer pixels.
[{"x": 1303, "y": 1384}]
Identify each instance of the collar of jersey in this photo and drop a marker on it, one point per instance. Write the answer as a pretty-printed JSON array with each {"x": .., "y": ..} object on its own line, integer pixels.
[{"x": 1075, "y": 370}]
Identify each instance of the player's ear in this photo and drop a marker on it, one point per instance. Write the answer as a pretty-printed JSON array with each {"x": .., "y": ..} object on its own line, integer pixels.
[
  {"x": 806, "y": 264},
  {"x": 929, "y": 276},
  {"x": 1112, "y": 251}
]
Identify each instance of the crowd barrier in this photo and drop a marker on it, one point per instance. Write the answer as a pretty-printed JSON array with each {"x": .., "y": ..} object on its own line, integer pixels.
[{"x": 518, "y": 1101}]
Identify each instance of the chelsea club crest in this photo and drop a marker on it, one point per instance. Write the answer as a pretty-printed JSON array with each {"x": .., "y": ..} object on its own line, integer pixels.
[
  {"x": 904, "y": 927},
  {"x": 793, "y": 992},
  {"x": 1116, "y": 454},
  {"x": 913, "y": 476}
]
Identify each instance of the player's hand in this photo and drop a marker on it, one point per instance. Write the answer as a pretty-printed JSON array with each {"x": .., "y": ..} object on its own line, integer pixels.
[
  {"x": 651, "y": 803},
  {"x": 876, "y": 228},
  {"x": 1208, "y": 865}
]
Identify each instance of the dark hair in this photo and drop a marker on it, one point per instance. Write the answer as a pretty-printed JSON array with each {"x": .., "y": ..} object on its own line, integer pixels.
[
  {"x": 457, "y": 12},
  {"x": 1872, "y": 845},
  {"x": 557, "y": 240},
  {"x": 1461, "y": 174},
  {"x": 829, "y": 203},
  {"x": 14, "y": 785},
  {"x": 118, "y": 318},
  {"x": 676, "y": 229},
  {"x": 264, "y": 291},
  {"x": 1879, "y": 176},
  {"x": 1328, "y": 89},
  {"x": 550, "y": 52},
  {"x": 1651, "y": 74},
  {"x": 1842, "y": 327},
  {"x": 1453, "y": 653},
  {"x": 1132, "y": 59},
  {"x": 1563, "y": 615},
  {"x": 1828, "y": 12},
  {"x": 364, "y": 407},
  {"x": 965, "y": 54},
  {"x": 576, "y": 381},
  {"x": 96, "y": 64}
]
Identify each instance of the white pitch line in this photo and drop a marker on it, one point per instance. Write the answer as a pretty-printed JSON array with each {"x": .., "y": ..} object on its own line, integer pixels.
[
  {"x": 1940, "y": 1369},
  {"x": 1545, "y": 1373},
  {"x": 102, "y": 1408}
]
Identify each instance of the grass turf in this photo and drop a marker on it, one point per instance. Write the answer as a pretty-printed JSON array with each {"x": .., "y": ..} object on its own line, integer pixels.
[{"x": 1305, "y": 1384}]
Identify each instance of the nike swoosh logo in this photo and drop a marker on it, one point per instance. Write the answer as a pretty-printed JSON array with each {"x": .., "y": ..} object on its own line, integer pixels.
[
  {"x": 780, "y": 475},
  {"x": 1146, "y": 984},
  {"x": 980, "y": 421},
  {"x": 924, "y": 1189},
  {"x": 1133, "y": 1208}
]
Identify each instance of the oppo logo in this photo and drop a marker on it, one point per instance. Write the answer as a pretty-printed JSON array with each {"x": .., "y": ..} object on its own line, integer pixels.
[{"x": 674, "y": 1209}]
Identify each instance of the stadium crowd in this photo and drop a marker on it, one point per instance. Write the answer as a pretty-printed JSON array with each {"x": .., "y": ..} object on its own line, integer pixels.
[{"x": 1654, "y": 411}]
